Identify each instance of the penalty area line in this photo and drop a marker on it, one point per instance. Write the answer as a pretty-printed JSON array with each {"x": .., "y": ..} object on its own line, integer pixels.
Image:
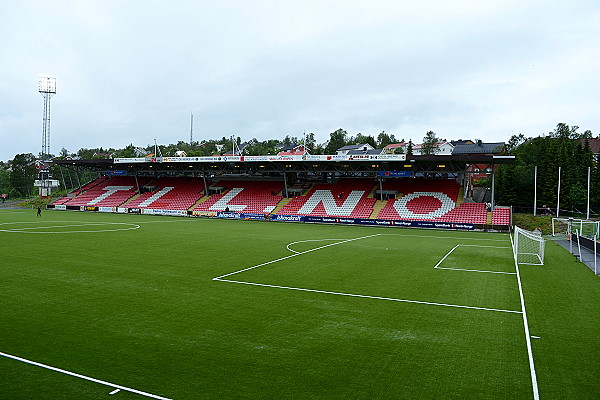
[
  {"x": 363, "y": 296},
  {"x": 87, "y": 378}
]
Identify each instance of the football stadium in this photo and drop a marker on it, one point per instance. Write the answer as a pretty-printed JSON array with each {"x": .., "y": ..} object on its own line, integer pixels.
[{"x": 296, "y": 277}]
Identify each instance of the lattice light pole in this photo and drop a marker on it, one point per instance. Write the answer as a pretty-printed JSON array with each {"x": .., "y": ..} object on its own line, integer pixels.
[{"x": 47, "y": 89}]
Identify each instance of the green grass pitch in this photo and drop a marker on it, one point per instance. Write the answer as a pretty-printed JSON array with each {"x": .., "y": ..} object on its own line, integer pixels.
[{"x": 186, "y": 308}]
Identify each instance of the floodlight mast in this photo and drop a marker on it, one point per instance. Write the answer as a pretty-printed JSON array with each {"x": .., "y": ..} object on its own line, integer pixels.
[{"x": 47, "y": 88}]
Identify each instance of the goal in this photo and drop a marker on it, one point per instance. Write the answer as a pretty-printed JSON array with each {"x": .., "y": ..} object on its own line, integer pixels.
[
  {"x": 528, "y": 247},
  {"x": 566, "y": 226}
]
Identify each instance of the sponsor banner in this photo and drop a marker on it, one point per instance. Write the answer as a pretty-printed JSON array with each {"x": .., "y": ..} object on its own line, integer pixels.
[
  {"x": 442, "y": 225},
  {"x": 392, "y": 157},
  {"x": 117, "y": 172},
  {"x": 106, "y": 209},
  {"x": 134, "y": 211},
  {"x": 229, "y": 215},
  {"x": 253, "y": 216},
  {"x": 376, "y": 222},
  {"x": 129, "y": 160},
  {"x": 60, "y": 207},
  {"x": 158, "y": 211},
  {"x": 395, "y": 174},
  {"x": 288, "y": 218},
  {"x": 122, "y": 210},
  {"x": 266, "y": 158},
  {"x": 234, "y": 215},
  {"x": 89, "y": 208},
  {"x": 204, "y": 213}
]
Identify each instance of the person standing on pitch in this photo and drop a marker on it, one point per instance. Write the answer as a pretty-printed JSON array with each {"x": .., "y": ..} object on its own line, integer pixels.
[{"x": 39, "y": 212}]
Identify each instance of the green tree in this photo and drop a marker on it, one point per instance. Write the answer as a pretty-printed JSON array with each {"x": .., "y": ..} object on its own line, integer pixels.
[
  {"x": 23, "y": 173},
  {"x": 337, "y": 139},
  {"x": 383, "y": 139},
  {"x": 409, "y": 148},
  {"x": 430, "y": 141}
]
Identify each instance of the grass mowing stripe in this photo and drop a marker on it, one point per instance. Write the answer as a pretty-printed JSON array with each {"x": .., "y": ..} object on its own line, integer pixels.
[{"x": 87, "y": 378}]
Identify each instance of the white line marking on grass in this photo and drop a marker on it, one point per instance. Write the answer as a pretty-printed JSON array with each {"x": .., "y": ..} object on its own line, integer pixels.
[
  {"x": 220, "y": 279},
  {"x": 446, "y": 256},
  {"x": 87, "y": 378},
  {"x": 115, "y": 391},
  {"x": 437, "y": 266},
  {"x": 368, "y": 297},
  {"x": 293, "y": 255},
  {"x": 84, "y": 224},
  {"x": 534, "y": 384},
  {"x": 477, "y": 270},
  {"x": 310, "y": 240}
]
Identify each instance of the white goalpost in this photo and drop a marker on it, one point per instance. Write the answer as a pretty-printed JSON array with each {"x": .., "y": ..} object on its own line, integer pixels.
[{"x": 528, "y": 247}]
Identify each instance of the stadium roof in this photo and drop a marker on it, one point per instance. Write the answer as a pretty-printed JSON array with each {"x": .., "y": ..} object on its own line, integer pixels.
[
  {"x": 364, "y": 165},
  {"x": 479, "y": 148}
]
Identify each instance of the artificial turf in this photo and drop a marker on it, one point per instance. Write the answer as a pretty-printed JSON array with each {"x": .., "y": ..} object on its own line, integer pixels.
[{"x": 323, "y": 318}]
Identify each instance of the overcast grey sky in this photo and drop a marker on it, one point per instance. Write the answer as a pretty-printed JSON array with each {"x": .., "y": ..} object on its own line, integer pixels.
[{"x": 128, "y": 71}]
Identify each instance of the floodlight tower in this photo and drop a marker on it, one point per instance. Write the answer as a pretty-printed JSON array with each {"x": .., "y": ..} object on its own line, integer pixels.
[{"x": 47, "y": 88}]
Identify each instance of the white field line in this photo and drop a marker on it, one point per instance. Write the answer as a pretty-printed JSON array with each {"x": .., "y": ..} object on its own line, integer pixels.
[
  {"x": 292, "y": 255},
  {"x": 477, "y": 270},
  {"x": 87, "y": 378},
  {"x": 446, "y": 256},
  {"x": 69, "y": 226},
  {"x": 220, "y": 279},
  {"x": 437, "y": 266},
  {"x": 309, "y": 240},
  {"x": 368, "y": 297},
  {"x": 534, "y": 384}
]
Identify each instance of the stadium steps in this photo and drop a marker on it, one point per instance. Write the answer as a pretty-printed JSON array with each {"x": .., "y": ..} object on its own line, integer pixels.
[
  {"x": 200, "y": 201},
  {"x": 281, "y": 203},
  {"x": 131, "y": 199},
  {"x": 372, "y": 192},
  {"x": 461, "y": 196},
  {"x": 377, "y": 207},
  {"x": 489, "y": 218}
]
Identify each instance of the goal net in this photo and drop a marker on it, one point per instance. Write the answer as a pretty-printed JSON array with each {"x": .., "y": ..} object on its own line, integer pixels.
[
  {"x": 566, "y": 226},
  {"x": 528, "y": 247}
]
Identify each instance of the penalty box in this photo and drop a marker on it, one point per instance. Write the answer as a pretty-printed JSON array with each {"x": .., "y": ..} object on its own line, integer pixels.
[{"x": 392, "y": 267}]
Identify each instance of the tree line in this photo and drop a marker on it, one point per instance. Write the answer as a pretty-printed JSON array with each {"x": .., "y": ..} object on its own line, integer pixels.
[{"x": 563, "y": 147}]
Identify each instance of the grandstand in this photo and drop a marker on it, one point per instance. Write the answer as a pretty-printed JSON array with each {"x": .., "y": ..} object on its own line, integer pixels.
[{"x": 371, "y": 192}]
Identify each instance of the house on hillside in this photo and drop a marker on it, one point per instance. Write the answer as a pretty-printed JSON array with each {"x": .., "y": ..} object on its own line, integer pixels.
[
  {"x": 594, "y": 144},
  {"x": 479, "y": 147},
  {"x": 395, "y": 148},
  {"x": 342, "y": 151},
  {"x": 293, "y": 150},
  {"x": 441, "y": 149},
  {"x": 360, "y": 152}
]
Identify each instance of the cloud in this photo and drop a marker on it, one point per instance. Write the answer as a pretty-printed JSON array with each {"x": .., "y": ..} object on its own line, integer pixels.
[{"x": 130, "y": 71}]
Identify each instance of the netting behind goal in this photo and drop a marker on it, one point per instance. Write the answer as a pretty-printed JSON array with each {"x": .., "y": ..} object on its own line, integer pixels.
[
  {"x": 566, "y": 226},
  {"x": 528, "y": 247}
]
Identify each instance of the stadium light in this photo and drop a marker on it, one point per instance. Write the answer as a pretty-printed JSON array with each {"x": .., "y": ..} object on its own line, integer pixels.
[{"x": 47, "y": 84}]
